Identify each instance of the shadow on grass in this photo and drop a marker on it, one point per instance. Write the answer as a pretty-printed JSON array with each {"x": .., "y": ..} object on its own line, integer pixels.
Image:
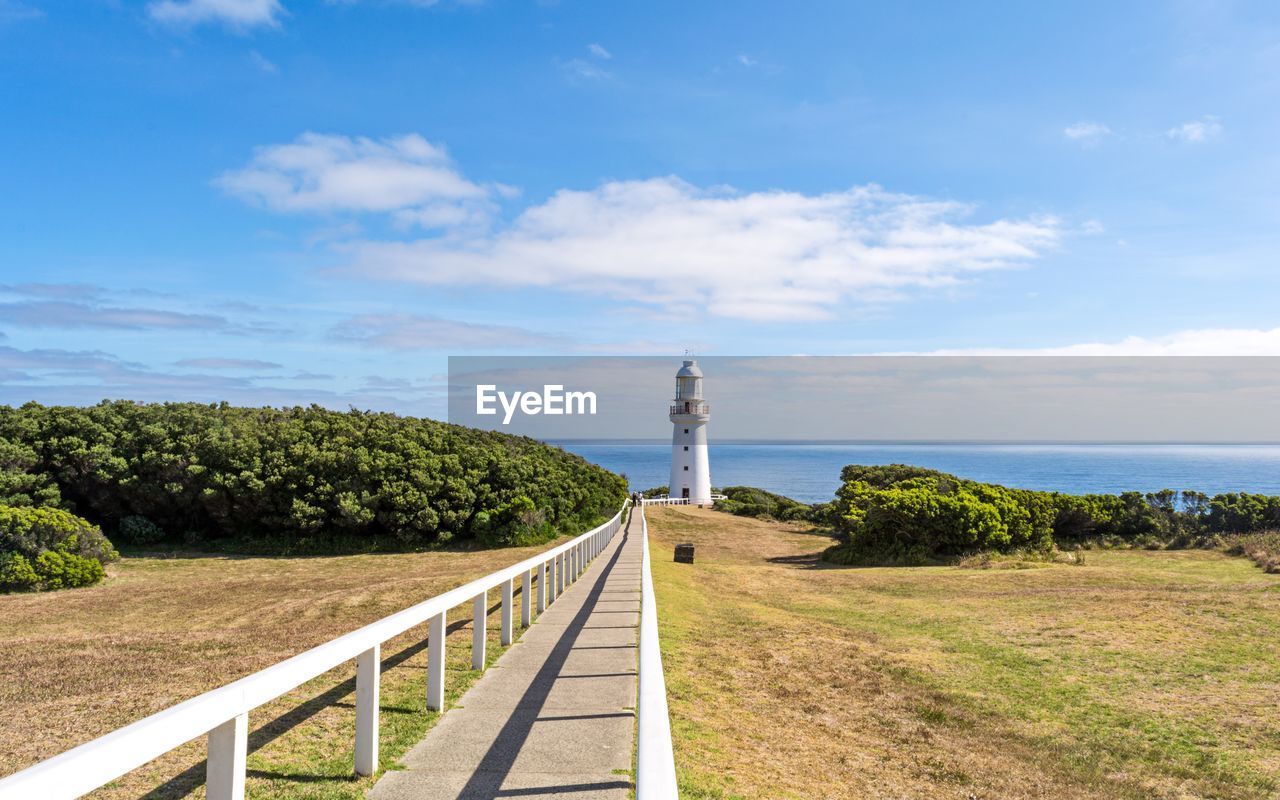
[
  {"x": 181, "y": 784},
  {"x": 816, "y": 561},
  {"x": 803, "y": 561}
]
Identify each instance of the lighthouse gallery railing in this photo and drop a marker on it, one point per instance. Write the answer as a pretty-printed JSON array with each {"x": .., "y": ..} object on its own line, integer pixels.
[
  {"x": 223, "y": 714},
  {"x": 691, "y": 407}
]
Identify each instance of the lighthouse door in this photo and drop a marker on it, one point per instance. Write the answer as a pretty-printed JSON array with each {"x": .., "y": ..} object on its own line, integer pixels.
[{"x": 684, "y": 492}]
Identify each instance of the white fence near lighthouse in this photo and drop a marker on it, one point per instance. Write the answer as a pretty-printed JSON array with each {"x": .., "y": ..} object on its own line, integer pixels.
[
  {"x": 223, "y": 714},
  {"x": 655, "y": 761},
  {"x": 676, "y": 501}
]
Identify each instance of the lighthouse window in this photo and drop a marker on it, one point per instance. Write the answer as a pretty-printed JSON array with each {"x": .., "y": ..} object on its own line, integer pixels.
[
  {"x": 686, "y": 448},
  {"x": 686, "y": 469},
  {"x": 686, "y": 430}
]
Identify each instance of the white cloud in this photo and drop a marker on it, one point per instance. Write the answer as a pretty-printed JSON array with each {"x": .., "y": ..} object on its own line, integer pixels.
[
  {"x": 262, "y": 62},
  {"x": 419, "y": 3},
  {"x": 239, "y": 14},
  {"x": 420, "y": 332},
  {"x": 1086, "y": 132},
  {"x": 406, "y": 176},
  {"x": 599, "y": 52},
  {"x": 1196, "y": 131},
  {"x": 1192, "y": 342},
  {"x": 62, "y": 314},
  {"x": 771, "y": 255},
  {"x": 746, "y": 60},
  {"x": 581, "y": 69},
  {"x": 227, "y": 363}
]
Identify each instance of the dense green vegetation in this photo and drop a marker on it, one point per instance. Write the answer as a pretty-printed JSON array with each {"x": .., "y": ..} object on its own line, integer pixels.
[
  {"x": 904, "y": 514},
  {"x": 48, "y": 548},
  {"x": 747, "y": 501},
  {"x": 294, "y": 479}
]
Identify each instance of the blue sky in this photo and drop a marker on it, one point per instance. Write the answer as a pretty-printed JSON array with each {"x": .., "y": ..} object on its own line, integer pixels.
[{"x": 288, "y": 202}]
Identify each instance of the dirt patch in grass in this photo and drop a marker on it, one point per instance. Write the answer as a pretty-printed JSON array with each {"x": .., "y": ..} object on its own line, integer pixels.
[
  {"x": 81, "y": 663},
  {"x": 1136, "y": 675}
]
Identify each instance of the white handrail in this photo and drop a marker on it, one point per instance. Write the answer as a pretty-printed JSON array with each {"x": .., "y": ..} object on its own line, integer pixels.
[
  {"x": 219, "y": 712},
  {"x": 675, "y": 501},
  {"x": 655, "y": 761}
]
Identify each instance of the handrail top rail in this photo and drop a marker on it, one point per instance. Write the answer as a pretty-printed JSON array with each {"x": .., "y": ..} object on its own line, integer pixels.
[
  {"x": 655, "y": 761},
  {"x": 113, "y": 754}
]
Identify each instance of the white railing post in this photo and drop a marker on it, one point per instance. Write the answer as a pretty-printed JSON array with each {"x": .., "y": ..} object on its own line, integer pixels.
[
  {"x": 526, "y": 598},
  {"x": 543, "y": 571},
  {"x": 367, "y": 690},
  {"x": 479, "y": 629},
  {"x": 559, "y": 574},
  {"x": 225, "y": 765},
  {"x": 507, "y": 604},
  {"x": 435, "y": 663}
]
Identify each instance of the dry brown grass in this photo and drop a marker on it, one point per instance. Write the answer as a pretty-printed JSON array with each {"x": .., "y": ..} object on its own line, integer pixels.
[
  {"x": 1263, "y": 548},
  {"x": 83, "y": 662},
  {"x": 1137, "y": 675}
]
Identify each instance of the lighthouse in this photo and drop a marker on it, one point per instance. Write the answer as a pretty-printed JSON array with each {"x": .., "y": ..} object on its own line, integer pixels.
[{"x": 690, "y": 469}]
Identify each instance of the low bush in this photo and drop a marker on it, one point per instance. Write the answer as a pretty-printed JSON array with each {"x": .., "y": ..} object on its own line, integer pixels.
[
  {"x": 516, "y": 524},
  {"x": 747, "y": 501},
  {"x": 58, "y": 570},
  {"x": 898, "y": 514},
  {"x": 48, "y": 548},
  {"x": 16, "y": 573},
  {"x": 139, "y": 530}
]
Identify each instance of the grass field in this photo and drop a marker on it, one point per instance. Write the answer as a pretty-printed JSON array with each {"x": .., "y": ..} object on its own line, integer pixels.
[
  {"x": 83, "y": 662},
  {"x": 1133, "y": 675}
]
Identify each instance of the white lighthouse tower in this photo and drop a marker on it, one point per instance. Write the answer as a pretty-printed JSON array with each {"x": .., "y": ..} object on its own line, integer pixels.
[{"x": 690, "y": 469}]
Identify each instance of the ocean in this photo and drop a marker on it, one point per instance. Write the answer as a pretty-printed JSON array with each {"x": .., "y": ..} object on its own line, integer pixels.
[{"x": 811, "y": 472}]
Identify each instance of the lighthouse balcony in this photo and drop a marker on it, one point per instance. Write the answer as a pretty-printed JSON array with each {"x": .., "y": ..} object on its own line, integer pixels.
[{"x": 690, "y": 407}]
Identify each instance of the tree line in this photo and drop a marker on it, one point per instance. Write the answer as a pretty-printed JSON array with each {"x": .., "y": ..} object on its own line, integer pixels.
[{"x": 292, "y": 480}]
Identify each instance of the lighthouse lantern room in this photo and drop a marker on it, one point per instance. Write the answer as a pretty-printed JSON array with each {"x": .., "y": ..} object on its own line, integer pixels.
[{"x": 690, "y": 468}]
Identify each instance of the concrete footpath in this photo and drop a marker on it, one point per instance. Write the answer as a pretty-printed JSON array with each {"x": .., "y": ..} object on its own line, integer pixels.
[{"x": 554, "y": 717}]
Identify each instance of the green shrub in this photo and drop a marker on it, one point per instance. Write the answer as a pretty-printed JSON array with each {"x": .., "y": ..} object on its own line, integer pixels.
[
  {"x": 58, "y": 570},
  {"x": 900, "y": 514},
  {"x": 32, "y": 531},
  {"x": 16, "y": 573},
  {"x": 139, "y": 530},
  {"x": 904, "y": 514},
  {"x": 49, "y": 548},
  {"x": 748, "y": 501},
  {"x": 518, "y": 523},
  {"x": 293, "y": 479}
]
